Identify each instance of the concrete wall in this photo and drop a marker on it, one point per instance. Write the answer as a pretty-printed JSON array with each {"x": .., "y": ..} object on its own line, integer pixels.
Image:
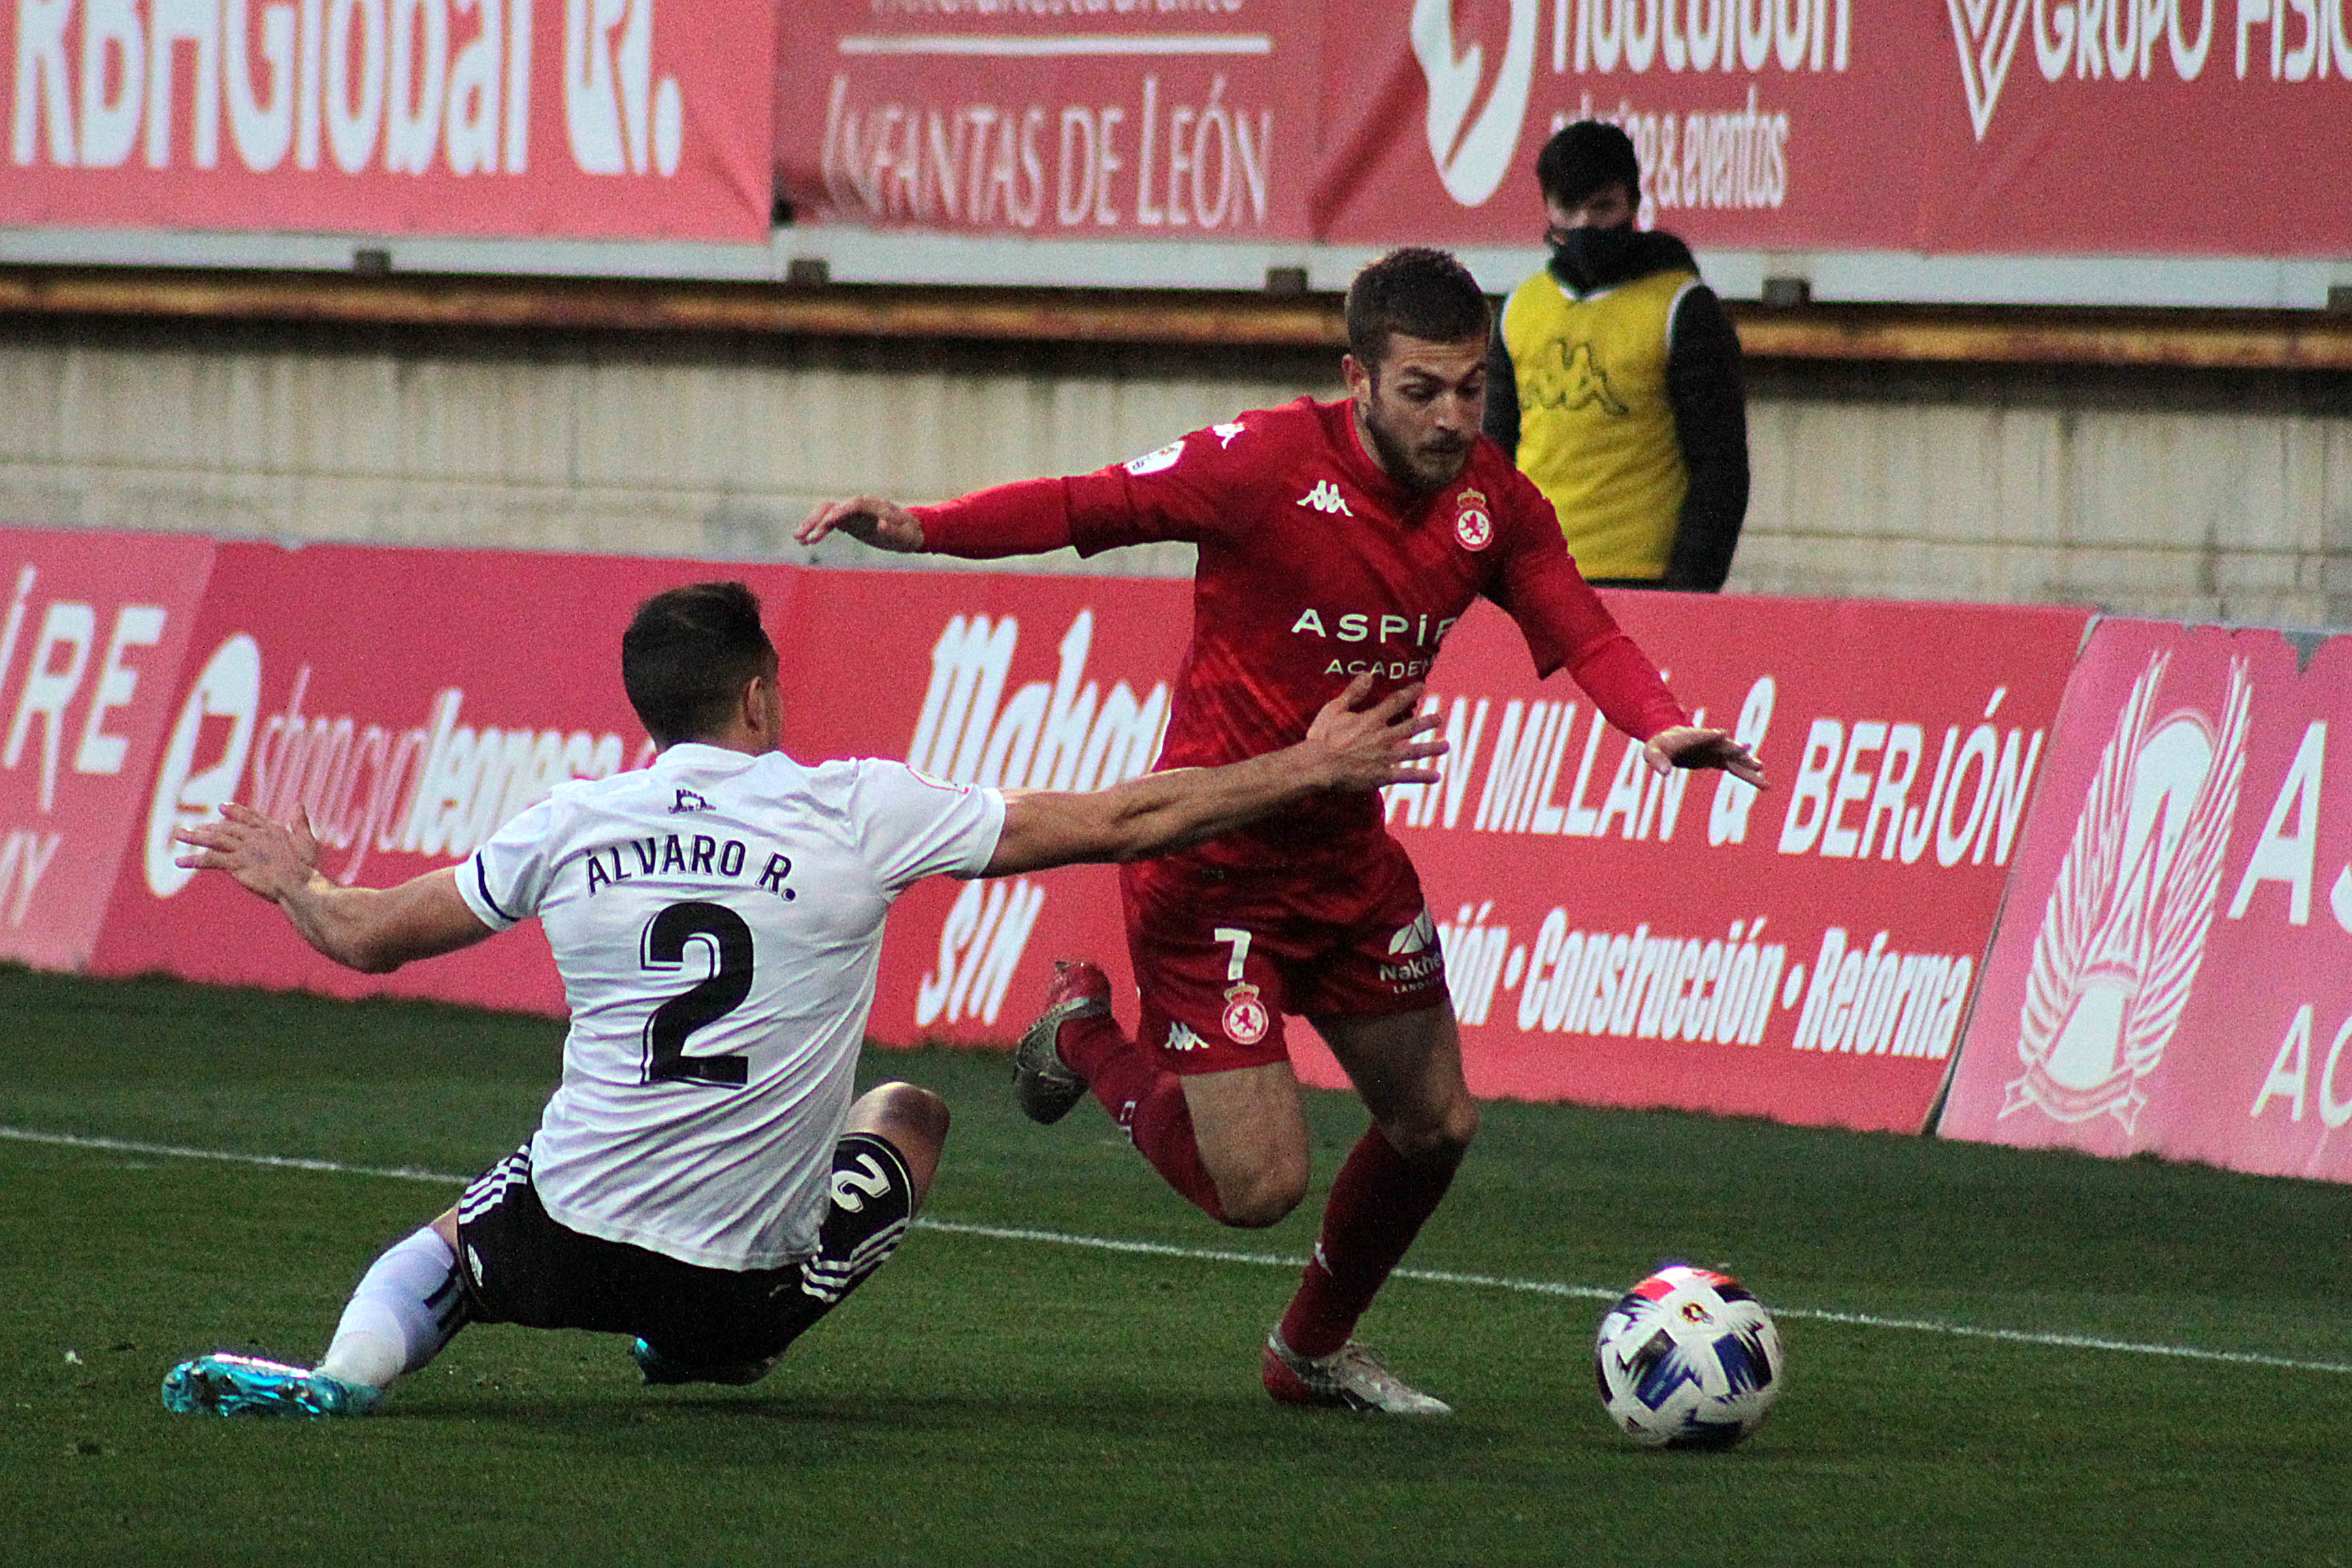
[
  {"x": 2205, "y": 496},
  {"x": 2200, "y": 495}
]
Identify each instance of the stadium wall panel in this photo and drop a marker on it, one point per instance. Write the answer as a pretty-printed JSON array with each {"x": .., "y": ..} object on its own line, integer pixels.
[
  {"x": 2148, "y": 808},
  {"x": 2148, "y": 488},
  {"x": 1611, "y": 936}
]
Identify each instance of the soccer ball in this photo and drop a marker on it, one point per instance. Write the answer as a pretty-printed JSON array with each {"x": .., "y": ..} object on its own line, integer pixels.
[{"x": 1689, "y": 1360}]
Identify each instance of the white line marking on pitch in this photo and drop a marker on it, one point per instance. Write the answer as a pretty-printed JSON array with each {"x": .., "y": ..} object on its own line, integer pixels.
[{"x": 1259, "y": 1260}]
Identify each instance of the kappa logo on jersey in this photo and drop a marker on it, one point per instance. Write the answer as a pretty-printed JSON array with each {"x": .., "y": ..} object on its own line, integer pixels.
[
  {"x": 1473, "y": 526},
  {"x": 1182, "y": 1038},
  {"x": 689, "y": 801},
  {"x": 1571, "y": 378},
  {"x": 1325, "y": 497},
  {"x": 1226, "y": 432},
  {"x": 2124, "y": 934},
  {"x": 1158, "y": 461}
]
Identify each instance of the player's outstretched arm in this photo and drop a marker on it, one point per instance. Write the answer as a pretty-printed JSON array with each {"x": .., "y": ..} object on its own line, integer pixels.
[
  {"x": 870, "y": 520},
  {"x": 369, "y": 929},
  {"x": 1686, "y": 746},
  {"x": 1349, "y": 747}
]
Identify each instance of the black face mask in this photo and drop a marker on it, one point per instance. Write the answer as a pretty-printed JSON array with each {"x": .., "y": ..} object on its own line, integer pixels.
[{"x": 1589, "y": 257}]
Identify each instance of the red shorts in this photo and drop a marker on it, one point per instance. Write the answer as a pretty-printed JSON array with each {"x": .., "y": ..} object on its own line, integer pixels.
[{"x": 1222, "y": 951}]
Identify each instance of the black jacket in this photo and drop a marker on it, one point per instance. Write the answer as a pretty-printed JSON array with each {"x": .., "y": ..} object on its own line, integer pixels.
[{"x": 1704, "y": 390}]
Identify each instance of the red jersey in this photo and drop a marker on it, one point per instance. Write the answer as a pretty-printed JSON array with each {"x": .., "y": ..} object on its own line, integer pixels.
[{"x": 1316, "y": 566}]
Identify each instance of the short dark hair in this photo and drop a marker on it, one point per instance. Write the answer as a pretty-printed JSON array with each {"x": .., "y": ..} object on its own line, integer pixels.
[
  {"x": 687, "y": 654},
  {"x": 1581, "y": 158},
  {"x": 1417, "y": 292}
]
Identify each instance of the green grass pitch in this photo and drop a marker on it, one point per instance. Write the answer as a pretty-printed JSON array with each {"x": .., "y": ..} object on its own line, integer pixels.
[{"x": 988, "y": 1400}]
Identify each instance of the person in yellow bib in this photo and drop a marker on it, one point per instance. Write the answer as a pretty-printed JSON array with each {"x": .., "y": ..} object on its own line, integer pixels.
[{"x": 1615, "y": 378}]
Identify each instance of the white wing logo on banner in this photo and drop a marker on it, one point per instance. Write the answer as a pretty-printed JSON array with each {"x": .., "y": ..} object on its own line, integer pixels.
[
  {"x": 1473, "y": 163},
  {"x": 2124, "y": 931},
  {"x": 1986, "y": 31}
]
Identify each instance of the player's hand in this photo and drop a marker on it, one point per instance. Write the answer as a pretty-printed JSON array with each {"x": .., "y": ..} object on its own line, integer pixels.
[
  {"x": 271, "y": 859},
  {"x": 870, "y": 520},
  {"x": 1684, "y": 746},
  {"x": 1381, "y": 744}
]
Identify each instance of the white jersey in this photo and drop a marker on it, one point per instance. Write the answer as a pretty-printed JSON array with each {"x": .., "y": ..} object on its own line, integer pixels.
[{"x": 716, "y": 919}]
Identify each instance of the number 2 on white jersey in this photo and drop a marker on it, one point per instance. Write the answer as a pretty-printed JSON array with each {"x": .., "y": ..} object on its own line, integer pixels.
[{"x": 664, "y": 949}]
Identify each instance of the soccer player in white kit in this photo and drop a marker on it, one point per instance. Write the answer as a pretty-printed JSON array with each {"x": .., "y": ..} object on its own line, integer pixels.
[{"x": 703, "y": 1179}]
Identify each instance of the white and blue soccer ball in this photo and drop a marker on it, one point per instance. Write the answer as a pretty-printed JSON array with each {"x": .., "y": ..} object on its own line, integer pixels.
[{"x": 1689, "y": 1359}]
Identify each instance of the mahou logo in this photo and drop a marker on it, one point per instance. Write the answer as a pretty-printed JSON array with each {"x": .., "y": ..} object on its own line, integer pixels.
[
  {"x": 1472, "y": 155},
  {"x": 2124, "y": 934}
]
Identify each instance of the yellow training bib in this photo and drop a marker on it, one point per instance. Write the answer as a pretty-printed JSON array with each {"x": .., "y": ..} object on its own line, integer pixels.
[{"x": 1596, "y": 432}]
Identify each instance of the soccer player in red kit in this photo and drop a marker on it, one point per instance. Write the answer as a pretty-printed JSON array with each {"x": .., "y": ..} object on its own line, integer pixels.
[{"x": 1335, "y": 539}]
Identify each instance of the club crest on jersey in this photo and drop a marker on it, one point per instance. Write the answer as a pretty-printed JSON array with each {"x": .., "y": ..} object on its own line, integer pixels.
[
  {"x": 1246, "y": 1019},
  {"x": 1471, "y": 525},
  {"x": 1325, "y": 497}
]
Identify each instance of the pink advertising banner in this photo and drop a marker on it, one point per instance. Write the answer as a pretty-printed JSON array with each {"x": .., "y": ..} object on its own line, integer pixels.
[
  {"x": 1806, "y": 953},
  {"x": 636, "y": 118},
  {"x": 91, "y": 637},
  {"x": 2171, "y": 972},
  {"x": 410, "y": 701},
  {"x": 2006, "y": 127},
  {"x": 1135, "y": 119},
  {"x": 1611, "y": 937},
  {"x": 1047, "y": 683}
]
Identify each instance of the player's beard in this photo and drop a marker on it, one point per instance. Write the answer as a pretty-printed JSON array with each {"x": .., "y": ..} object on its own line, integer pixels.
[{"x": 1425, "y": 468}]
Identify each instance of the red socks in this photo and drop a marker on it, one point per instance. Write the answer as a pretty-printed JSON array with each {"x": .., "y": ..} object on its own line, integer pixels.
[
  {"x": 1145, "y": 1099},
  {"x": 1379, "y": 1202}
]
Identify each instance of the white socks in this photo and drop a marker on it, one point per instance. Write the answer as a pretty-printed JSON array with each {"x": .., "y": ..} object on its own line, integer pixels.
[{"x": 406, "y": 1307}]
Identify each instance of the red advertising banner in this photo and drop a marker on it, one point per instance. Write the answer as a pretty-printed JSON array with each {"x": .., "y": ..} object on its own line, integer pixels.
[
  {"x": 1806, "y": 954},
  {"x": 637, "y": 119},
  {"x": 1168, "y": 121},
  {"x": 1614, "y": 939},
  {"x": 412, "y": 701},
  {"x": 2006, "y": 127},
  {"x": 2171, "y": 974},
  {"x": 1050, "y": 682},
  {"x": 91, "y": 637}
]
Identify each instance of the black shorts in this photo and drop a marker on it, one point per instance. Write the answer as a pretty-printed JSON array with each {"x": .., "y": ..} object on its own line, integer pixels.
[{"x": 521, "y": 1266}]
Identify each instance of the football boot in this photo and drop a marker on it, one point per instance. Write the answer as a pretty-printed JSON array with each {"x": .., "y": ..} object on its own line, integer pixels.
[
  {"x": 1350, "y": 1378},
  {"x": 226, "y": 1384},
  {"x": 1043, "y": 1083}
]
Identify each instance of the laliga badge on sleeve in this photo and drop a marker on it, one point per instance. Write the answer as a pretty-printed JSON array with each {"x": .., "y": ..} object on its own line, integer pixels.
[
  {"x": 1472, "y": 526},
  {"x": 1246, "y": 1017}
]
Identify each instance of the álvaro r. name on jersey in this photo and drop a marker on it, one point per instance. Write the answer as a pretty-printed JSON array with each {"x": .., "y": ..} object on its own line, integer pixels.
[{"x": 695, "y": 855}]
